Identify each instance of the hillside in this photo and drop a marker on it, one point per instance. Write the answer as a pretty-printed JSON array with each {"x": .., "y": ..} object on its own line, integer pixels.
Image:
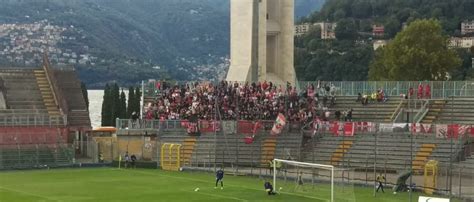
[
  {"x": 348, "y": 56},
  {"x": 124, "y": 40},
  {"x": 128, "y": 38}
]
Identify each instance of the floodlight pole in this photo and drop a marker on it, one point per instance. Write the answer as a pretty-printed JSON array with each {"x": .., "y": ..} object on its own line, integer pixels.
[
  {"x": 411, "y": 147},
  {"x": 451, "y": 151},
  {"x": 375, "y": 165}
]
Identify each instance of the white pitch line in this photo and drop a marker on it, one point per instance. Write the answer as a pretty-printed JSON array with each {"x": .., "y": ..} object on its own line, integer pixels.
[{"x": 28, "y": 193}]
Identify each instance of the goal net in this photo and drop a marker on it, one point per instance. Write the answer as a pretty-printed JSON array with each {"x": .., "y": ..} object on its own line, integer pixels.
[{"x": 317, "y": 181}]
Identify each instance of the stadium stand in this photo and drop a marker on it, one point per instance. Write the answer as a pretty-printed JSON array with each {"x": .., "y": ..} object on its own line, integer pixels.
[
  {"x": 70, "y": 87},
  {"x": 391, "y": 157},
  {"x": 458, "y": 110},
  {"x": 374, "y": 111},
  {"x": 43, "y": 111}
]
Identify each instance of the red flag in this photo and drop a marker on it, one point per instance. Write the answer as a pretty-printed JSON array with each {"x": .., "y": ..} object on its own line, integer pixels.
[
  {"x": 280, "y": 123},
  {"x": 257, "y": 127}
]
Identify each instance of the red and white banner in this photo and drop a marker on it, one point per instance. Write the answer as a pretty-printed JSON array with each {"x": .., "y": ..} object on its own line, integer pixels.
[
  {"x": 365, "y": 127},
  {"x": 421, "y": 128},
  {"x": 280, "y": 122},
  {"x": 349, "y": 129}
]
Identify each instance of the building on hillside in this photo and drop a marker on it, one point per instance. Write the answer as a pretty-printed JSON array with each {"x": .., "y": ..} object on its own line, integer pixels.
[
  {"x": 327, "y": 29},
  {"x": 467, "y": 27},
  {"x": 379, "y": 43},
  {"x": 378, "y": 31},
  {"x": 302, "y": 29},
  {"x": 461, "y": 42}
]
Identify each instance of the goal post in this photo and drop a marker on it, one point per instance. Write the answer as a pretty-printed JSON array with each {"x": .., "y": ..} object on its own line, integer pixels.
[
  {"x": 312, "y": 180},
  {"x": 304, "y": 164}
]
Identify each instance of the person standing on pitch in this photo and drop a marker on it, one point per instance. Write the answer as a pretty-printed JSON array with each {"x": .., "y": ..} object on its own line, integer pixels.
[
  {"x": 219, "y": 177},
  {"x": 380, "y": 180}
]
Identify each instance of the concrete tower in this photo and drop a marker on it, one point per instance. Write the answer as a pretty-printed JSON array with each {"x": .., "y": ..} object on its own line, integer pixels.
[{"x": 262, "y": 41}]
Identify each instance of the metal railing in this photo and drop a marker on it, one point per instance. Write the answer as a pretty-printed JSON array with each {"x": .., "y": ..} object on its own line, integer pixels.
[
  {"x": 36, "y": 156},
  {"x": 438, "y": 89}
]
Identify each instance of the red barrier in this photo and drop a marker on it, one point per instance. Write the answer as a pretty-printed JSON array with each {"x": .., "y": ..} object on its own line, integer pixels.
[
  {"x": 245, "y": 127},
  {"x": 209, "y": 126},
  {"x": 34, "y": 135}
]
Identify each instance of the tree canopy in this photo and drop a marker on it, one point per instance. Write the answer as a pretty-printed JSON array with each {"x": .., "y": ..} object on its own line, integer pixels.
[{"x": 419, "y": 52}]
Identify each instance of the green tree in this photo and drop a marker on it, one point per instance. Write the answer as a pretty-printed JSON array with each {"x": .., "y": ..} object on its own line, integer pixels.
[
  {"x": 420, "y": 52},
  {"x": 466, "y": 69},
  {"x": 131, "y": 100},
  {"x": 392, "y": 27},
  {"x": 106, "y": 107},
  {"x": 85, "y": 94},
  {"x": 116, "y": 110},
  {"x": 138, "y": 98},
  {"x": 346, "y": 29}
]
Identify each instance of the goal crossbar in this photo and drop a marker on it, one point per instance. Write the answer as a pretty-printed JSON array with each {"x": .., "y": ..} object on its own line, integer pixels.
[{"x": 314, "y": 165}]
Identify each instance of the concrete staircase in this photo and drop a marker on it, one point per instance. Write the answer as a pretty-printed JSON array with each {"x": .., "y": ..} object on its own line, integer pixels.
[
  {"x": 338, "y": 155},
  {"x": 268, "y": 150},
  {"x": 434, "y": 110},
  {"x": 46, "y": 93},
  {"x": 421, "y": 157},
  {"x": 187, "y": 150}
]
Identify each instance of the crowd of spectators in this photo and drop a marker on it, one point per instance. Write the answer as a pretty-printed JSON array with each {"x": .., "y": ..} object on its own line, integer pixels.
[{"x": 237, "y": 101}]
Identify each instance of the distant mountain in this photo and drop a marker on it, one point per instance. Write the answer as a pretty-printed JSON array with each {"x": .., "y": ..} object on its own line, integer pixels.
[
  {"x": 306, "y": 7},
  {"x": 133, "y": 40}
]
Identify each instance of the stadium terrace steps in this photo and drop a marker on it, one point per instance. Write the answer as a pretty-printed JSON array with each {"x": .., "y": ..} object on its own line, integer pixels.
[
  {"x": 393, "y": 151},
  {"x": 460, "y": 111},
  {"x": 187, "y": 150},
  {"x": 204, "y": 151},
  {"x": 268, "y": 150},
  {"x": 434, "y": 109},
  {"x": 70, "y": 87},
  {"x": 339, "y": 153},
  {"x": 421, "y": 157},
  {"x": 374, "y": 111},
  {"x": 46, "y": 93},
  {"x": 27, "y": 98}
]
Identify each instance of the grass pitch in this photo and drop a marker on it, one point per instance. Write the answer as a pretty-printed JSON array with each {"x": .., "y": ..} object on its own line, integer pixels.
[{"x": 110, "y": 184}]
